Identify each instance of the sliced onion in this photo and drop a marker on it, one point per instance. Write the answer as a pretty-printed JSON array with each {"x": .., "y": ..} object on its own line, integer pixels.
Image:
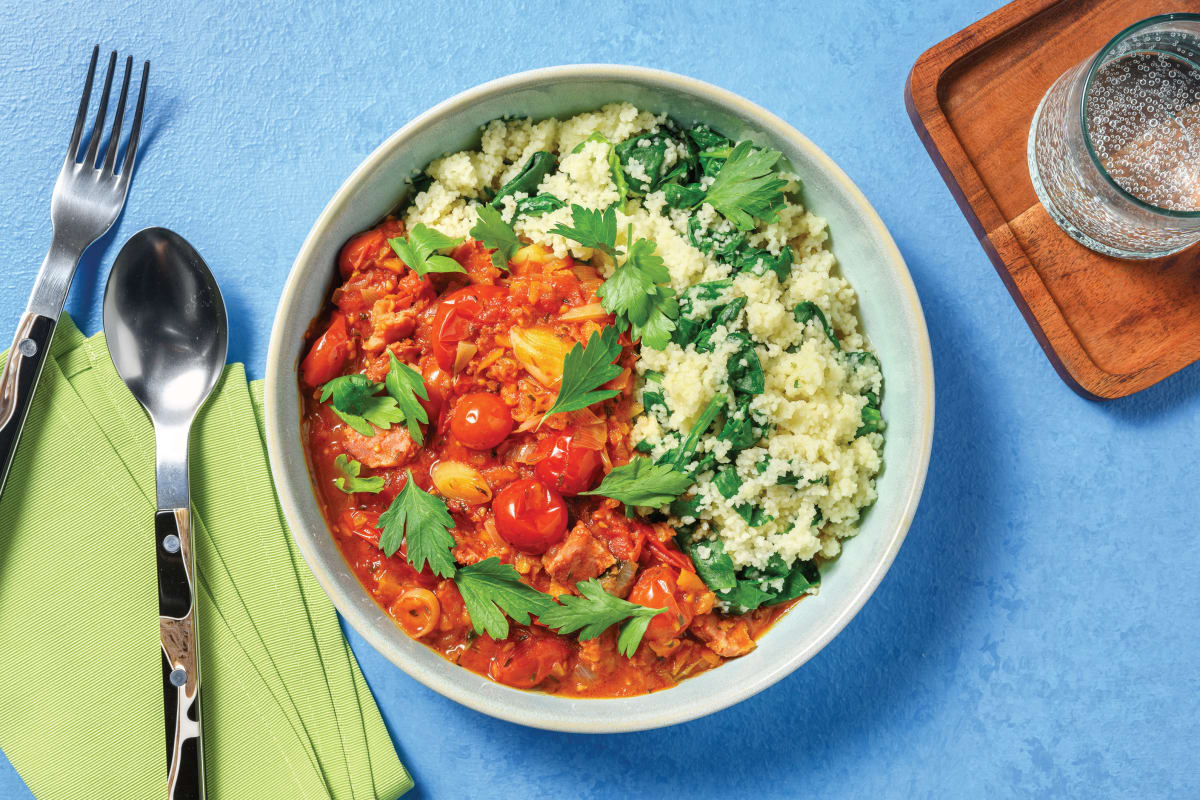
[
  {"x": 526, "y": 453},
  {"x": 586, "y": 272},
  {"x": 590, "y": 437},
  {"x": 463, "y": 355},
  {"x": 579, "y": 313},
  {"x": 583, "y": 673},
  {"x": 529, "y": 424},
  {"x": 461, "y": 482},
  {"x": 541, "y": 352}
]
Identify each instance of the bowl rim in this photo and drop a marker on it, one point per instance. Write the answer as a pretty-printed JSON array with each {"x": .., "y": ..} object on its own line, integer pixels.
[{"x": 280, "y": 370}]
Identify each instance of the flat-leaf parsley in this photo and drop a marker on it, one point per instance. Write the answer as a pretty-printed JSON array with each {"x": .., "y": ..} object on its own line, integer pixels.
[{"x": 419, "y": 520}]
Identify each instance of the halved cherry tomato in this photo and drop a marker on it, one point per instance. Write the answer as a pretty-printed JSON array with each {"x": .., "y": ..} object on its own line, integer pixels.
[
  {"x": 565, "y": 465},
  {"x": 657, "y": 587},
  {"x": 481, "y": 421},
  {"x": 328, "y": 355},
  {"x": 453, "y": 318},
  {"x": 527, "y": 663},
  {"x": 360, "y": 251},
  {"x": 530, "y": 515}
]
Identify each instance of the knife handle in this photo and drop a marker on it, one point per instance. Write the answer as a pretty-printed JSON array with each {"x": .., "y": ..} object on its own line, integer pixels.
[
  {"x": 180, "y": 654},
  {"x": 26, "y": 358}
]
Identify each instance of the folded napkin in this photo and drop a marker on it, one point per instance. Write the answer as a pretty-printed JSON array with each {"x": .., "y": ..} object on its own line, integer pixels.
[{"x": 286, "y": 711}]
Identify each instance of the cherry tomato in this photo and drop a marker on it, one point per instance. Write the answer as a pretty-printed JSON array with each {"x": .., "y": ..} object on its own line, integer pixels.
[
  {"x": 453, "y": 318},
  {"x": 328, "y": 355},
  {"x": 527, "y": 663},
  {"x": 437, "y": 383},
  {"x": 360, "y": 251},
  {"x": 657, "y": 587},
  {"x": 530, "y": 515},
  {"x": 481, "y": 421},
  {"x": 566, "y": 466}
]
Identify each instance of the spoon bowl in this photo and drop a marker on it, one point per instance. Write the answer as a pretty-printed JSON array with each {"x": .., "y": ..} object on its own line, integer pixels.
[{"x": 165, "y": 322}]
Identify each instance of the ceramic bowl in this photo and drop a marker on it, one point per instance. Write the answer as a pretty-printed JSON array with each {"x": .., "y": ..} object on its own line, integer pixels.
[{"x": 890, "y": 312}]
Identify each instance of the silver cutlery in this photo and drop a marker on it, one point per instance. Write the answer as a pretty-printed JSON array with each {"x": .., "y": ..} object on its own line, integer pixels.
[
  {"x": 167, "y": 334},
  {"x": 87, "y": 199}
]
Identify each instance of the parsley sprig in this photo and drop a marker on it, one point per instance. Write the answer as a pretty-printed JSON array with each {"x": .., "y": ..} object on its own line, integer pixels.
[
  {"x": 491, "y": 589},
  {"x": 497, "y": 235},
  {"x": 594, "y": 611},
  {"x": 641, "y": 482},
  {"x": 349, "y": 482},
  {"x": 585, "y": 369},
  {"x": 406, "y": 385},
  {"x": 421, "y": 521},
  {"x": 356, "y": 399},
  {"x": 638, "y": 291},
  {"x": 747, "y": 187},
  {"x": 592, "y": 228},
  {"x": 420, "y": 250}
]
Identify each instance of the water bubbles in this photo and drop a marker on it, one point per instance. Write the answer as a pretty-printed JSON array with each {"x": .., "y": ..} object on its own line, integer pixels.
[{"x": 1139, "y": 128}]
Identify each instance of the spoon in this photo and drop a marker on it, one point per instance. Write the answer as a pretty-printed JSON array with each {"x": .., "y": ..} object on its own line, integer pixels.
[{"x": 167, "y": 334}]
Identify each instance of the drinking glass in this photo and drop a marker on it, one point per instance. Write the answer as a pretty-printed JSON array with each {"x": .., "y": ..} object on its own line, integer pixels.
[{"x": 1114, "y": 147}]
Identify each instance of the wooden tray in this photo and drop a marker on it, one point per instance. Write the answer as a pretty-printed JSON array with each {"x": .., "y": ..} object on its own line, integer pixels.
[{"x": 1110, "y": 327}]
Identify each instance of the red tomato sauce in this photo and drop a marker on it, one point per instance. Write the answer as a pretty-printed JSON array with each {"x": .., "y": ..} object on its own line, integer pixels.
[{"x": 490, "y": 346}]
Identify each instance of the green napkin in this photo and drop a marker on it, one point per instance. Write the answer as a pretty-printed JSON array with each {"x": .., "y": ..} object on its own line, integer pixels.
[{"x": 286, "y": 710}]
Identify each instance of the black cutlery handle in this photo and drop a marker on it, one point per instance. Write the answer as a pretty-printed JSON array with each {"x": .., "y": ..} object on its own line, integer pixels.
[
  {"x": 26, "y": 358},
  {"x": 180, "y": 654}
]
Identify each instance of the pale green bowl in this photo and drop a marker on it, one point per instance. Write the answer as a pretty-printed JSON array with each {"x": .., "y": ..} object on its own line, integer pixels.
[{"x": 891, "y": 315}]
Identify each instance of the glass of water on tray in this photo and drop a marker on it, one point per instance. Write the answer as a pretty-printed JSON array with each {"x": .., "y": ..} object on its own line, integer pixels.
[{"x": 1114, "y": 147}]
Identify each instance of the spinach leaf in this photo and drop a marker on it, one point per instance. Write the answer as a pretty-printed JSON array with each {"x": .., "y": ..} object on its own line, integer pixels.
[
  {"x": 682, "y": 454},
  {"x": 872, "y": 420},
  {"x": 740, "y": 429},
  {"x": 727, "y": 481},
  {"x": 727, "y": 314},
  {"x": 538, "y": 205},
  {"x": 688, "y": 326},
  {"x": 745, "y": 596},
  {"x": 685, "y": 507},
  {"x": 539, "y": 165},
  {"x": 797, "y": 579},
  {"x": 712, "y": 563},
  {"x": 806, "y": 311},
  {"x": 683, "y": 196},
  {"x": 706, "y": 138},
  {"x": 757, "y": 262},
  {"x": 722, "y": 246},
  {"x": 650, "y": 151},
  {"x": 745, "y": 370}
]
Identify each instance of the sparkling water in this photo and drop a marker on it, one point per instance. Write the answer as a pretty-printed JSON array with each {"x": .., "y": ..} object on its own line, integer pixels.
[{"x": 1143, "y": 113}]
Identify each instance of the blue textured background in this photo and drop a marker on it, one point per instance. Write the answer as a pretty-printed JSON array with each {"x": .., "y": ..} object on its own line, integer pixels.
[{"x": 1037, "y": 635}]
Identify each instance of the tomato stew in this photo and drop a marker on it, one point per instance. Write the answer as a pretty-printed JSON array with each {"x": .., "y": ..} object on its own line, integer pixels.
[{"x": 490, "y": 347}]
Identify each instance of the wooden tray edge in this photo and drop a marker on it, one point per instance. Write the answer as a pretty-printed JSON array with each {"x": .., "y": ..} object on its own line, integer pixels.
[{"x": 1047, "y": 322}]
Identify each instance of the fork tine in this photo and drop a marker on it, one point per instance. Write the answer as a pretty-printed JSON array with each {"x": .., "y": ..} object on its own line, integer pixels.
[
  {"x": 73, "y": 147},
  {"x": 131, "y": 150},
  {"x": 98, "y": 129},
  {"x": 114, "y": 139}
]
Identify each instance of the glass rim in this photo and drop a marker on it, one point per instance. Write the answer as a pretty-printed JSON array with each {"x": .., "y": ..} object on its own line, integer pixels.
[{"x": 1083, "y": 117}]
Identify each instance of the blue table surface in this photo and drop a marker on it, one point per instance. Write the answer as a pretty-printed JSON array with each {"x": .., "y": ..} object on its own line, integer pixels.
[{"x": 1037, "y": 635}]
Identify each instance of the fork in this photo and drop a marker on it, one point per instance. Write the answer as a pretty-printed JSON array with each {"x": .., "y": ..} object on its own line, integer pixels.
[{"x": 88, "y": 198}]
